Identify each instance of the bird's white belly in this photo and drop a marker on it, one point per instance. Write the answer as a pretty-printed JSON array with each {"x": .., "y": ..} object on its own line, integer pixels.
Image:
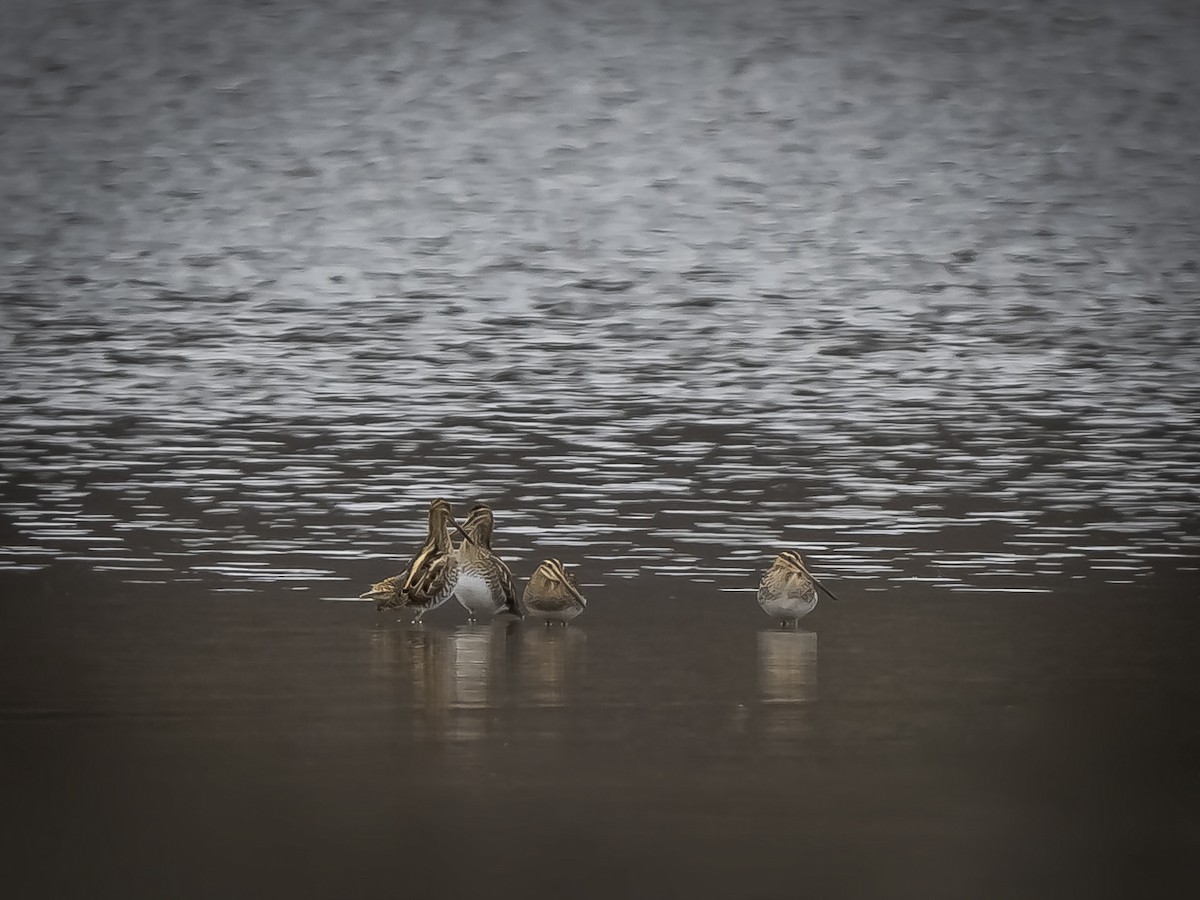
[
  {"x": 791, "y": 605},
  {"x": 474, "y": 594},
  {"x": 563, "y": 614}
]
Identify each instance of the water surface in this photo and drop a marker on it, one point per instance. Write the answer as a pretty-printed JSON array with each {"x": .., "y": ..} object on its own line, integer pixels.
[
  {"x": 673, "y": 286},
  {"x": 915, "y": 748}
]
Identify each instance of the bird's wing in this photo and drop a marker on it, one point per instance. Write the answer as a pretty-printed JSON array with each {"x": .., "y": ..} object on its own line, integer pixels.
[
  {"x": 428, "y": 581},
  {"x": 508, "y": 587},
  {"x": 417, "y": 568}
]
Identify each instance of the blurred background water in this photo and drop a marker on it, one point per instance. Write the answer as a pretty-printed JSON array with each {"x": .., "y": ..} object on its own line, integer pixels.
[{"x": 911, "y": 286}]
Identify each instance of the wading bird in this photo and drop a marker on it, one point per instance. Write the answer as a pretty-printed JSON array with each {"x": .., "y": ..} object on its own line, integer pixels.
[
  {"x": 788, "y": 591},
  {"x": 431, "y": 576},
  {"x": 552, "y": 594},
  {"x": 485, "y": 583}
]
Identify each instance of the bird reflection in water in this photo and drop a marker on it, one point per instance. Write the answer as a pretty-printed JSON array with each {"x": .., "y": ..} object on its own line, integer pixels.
[
  {"x": 448, "y": 676},
  {"x": 470, "y": 648},
  {"x": 787, "y": 666},
  {"x": 545, "y": 658},
  {"x": 787, "y": 681}
]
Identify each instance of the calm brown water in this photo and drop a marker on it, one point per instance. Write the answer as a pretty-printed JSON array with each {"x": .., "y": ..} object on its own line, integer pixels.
[
  {"x": 198, "y": 745},
  {"x": 910, "y": 287}
]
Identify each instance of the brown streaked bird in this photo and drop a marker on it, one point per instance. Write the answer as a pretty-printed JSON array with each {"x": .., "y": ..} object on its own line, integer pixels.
[
  {"x": 552, "y": 594},
  {"x": 430, "y": 577},
  {"x": 485, "y": 583},
  {"x": 788, "y": 591}
]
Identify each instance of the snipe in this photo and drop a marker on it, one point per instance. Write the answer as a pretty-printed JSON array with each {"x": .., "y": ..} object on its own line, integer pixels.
[
  {"x": 552, "y": 594},
  {"x": 788, "y": 591},
  {"x": 431, "y": 576},
  {"x": 485, "y": 583}
]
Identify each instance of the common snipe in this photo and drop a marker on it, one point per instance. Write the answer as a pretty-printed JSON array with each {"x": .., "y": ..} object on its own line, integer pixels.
[
  {"x": 430, "y": 578},
  {"x": 485, "y": 583},
  {"x": 788, "y": 591},
  {"x": 552, "y": 594}
]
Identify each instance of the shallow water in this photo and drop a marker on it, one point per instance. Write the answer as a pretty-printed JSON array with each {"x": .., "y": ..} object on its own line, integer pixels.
[
  {"x": 673, "y": 286},
  {"x": 982, "y": 747}
]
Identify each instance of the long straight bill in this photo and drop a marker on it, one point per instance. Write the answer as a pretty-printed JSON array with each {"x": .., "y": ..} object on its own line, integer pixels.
[
  {"x": 459, "y": 529},
  {"x": 832, "y": 595}
]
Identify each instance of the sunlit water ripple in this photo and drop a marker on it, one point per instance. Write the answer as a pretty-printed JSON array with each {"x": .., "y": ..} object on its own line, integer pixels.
[
  {"x": 969, "y": 459},
  {"x": 668, "y": 314}
]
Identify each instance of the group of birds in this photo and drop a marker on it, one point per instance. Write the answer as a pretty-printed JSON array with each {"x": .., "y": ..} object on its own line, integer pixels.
[
  {"x": 480, "y": 580},
  {"x": 484, "y": 584}
]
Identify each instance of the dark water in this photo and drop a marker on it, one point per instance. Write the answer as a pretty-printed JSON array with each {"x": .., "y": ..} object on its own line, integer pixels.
[
  {"x": 269, "y": 747},
  {"x": 912, "y": 287}
]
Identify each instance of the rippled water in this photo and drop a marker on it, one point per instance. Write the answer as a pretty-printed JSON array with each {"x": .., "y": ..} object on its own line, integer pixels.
[
  {"x": 179, "y": 438},
  {"x": 184, "y": 439},
  {"x": 673, "y": 285},
  {"x": 726, "y": 282}
]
